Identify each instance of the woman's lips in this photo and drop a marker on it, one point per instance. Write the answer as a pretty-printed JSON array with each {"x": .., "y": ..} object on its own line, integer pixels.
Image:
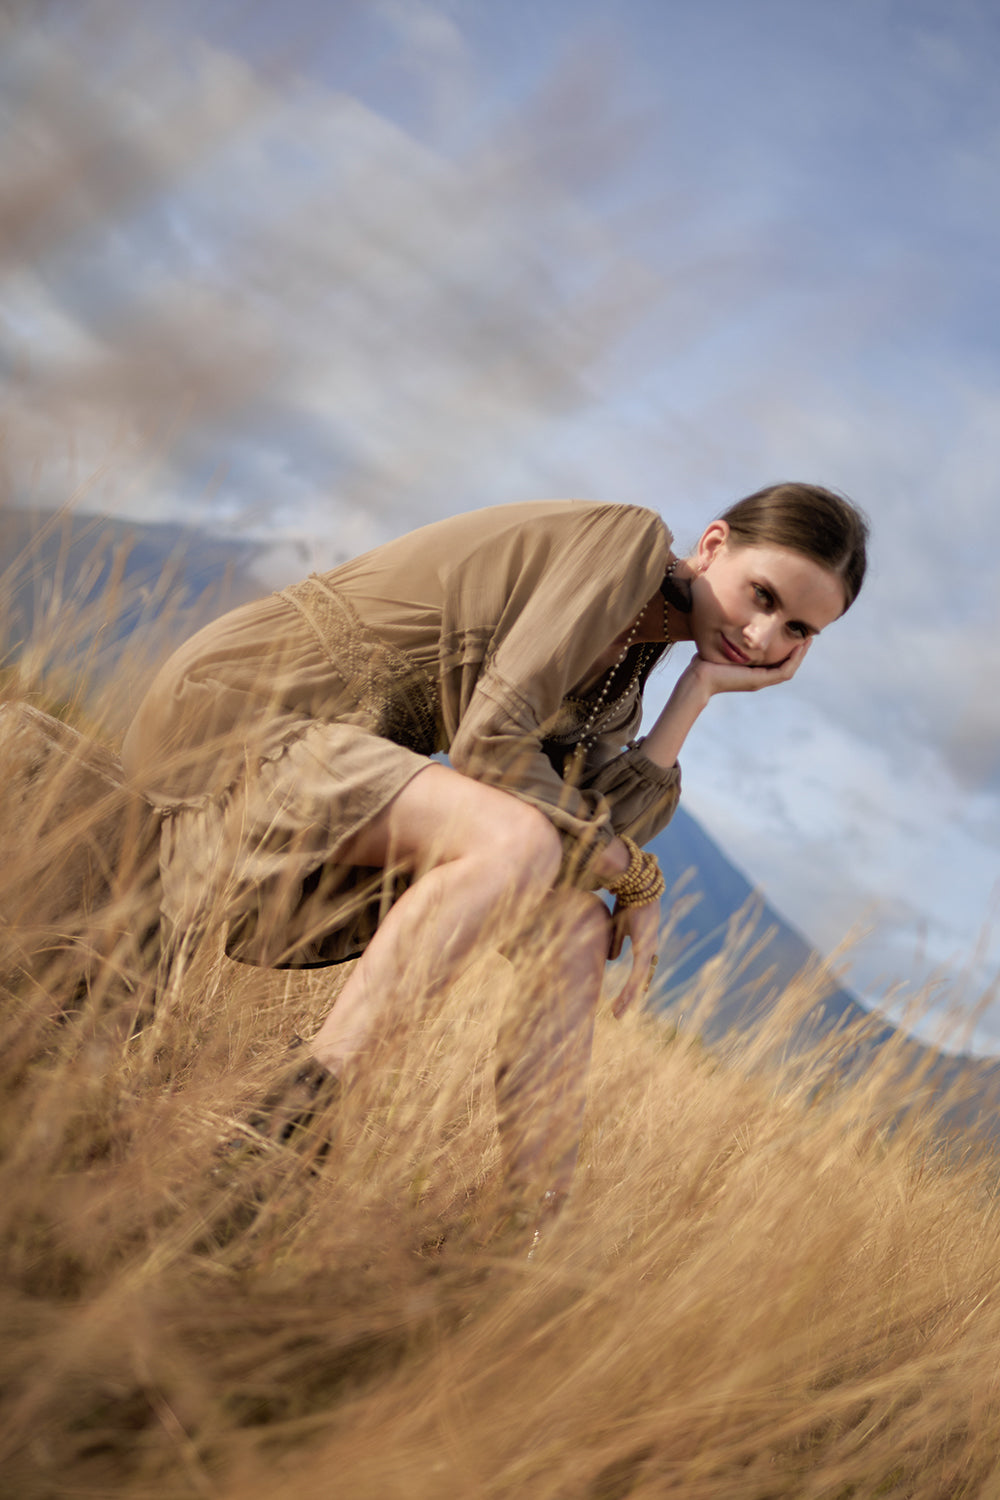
[{"x": 734, "y": 653}]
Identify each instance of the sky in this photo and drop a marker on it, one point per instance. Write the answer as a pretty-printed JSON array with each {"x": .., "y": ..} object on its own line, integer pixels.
[{"x": 317, "y": 273}]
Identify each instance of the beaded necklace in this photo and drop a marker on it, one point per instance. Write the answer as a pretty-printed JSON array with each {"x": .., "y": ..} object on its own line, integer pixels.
[{"x": 591, "y": 728}]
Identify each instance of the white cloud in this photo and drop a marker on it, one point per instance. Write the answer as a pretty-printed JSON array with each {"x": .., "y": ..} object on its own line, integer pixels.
[
  {"x": 434, "y": 50},
  {"x": 318, "y": 262},
  {"x": 265, "y": 300}
]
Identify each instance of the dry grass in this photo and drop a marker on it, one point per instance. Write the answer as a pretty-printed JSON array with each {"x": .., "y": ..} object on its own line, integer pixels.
[{"x": 757, "y": 1290}]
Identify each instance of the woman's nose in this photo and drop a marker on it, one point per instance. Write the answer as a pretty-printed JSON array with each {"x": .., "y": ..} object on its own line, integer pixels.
[{"x": 759, "y": 633}]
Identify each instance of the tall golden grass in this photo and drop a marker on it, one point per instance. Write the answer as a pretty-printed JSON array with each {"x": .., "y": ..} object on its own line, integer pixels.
[{"x": 758, "y": 1289}]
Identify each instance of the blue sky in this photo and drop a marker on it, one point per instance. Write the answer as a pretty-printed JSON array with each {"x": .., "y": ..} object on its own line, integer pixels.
[{"x": 319, "y": 273}]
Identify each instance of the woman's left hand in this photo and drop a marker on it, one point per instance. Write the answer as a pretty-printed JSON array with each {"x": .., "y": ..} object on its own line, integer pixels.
[
  {"x": 641, "y": 924},
  {"x": 695, "y": 688},
  {"x": 725, "y": 677}
]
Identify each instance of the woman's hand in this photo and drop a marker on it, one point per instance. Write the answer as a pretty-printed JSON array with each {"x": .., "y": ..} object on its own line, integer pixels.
[
  {"x": 641, "y": 924},
  {"x": 725, "y": 677},
  {"x": 697, "y": 686}
]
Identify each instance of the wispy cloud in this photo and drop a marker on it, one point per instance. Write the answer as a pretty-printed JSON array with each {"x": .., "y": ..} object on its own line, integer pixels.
[
  {"x": 293, "y": 266},
  {"x": 324, "y": 278}
]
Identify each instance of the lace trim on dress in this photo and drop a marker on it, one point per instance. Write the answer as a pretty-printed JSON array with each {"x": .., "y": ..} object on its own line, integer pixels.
[{"x": 400, "y": 698}]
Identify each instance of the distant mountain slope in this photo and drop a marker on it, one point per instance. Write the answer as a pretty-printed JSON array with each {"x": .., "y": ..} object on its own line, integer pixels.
[
  {"x": 718, "y": 892},
  {"x": 103, "y": 577},
  {"x": 724, "y": 900}
]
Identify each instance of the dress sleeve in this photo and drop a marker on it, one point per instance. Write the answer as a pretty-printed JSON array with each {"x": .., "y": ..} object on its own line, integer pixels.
[
  {"x": 557, "y": 592},
  {"x": 642, "y": 796}
]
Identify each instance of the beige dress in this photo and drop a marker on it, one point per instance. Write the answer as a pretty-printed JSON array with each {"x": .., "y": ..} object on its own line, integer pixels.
[{"x": 278, "y": 731}]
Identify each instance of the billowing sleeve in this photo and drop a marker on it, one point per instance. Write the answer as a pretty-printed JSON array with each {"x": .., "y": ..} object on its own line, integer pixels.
[
  {"x": 528, "y": 615},
  {"x": 641, "y": 795}
]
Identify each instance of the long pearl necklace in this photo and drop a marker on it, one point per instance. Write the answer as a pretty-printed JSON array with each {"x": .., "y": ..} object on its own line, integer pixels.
[{"x": 590, "y": 729}]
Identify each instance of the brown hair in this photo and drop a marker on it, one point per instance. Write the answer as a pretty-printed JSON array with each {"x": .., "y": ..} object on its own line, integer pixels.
[{"x": 809, "y": 519}]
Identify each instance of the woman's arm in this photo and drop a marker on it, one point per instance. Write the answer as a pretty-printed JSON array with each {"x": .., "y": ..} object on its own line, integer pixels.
[
  {"x": 530, "y": 611},
  {"x": 697, "y": 685},
  {"x": 694, "y": 689}
]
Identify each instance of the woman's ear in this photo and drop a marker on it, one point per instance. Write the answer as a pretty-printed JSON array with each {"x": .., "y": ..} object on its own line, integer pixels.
[{"x": 712, "y": 540}]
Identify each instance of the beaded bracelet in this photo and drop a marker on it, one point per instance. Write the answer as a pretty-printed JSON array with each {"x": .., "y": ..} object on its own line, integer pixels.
[{"x": 642, "y": 883}]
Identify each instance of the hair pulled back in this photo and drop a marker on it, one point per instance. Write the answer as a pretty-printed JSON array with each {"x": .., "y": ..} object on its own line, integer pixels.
[{"x": 809, "y": 519}]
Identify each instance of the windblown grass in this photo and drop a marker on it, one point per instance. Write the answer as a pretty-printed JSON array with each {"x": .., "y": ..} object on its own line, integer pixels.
[
  {"x": 758, "y": 1289},
  {"x": 750, "y": 1294}
]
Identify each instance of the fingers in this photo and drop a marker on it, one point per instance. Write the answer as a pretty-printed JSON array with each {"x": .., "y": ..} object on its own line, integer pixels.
[
  {"x": 617, "y": 935},
  {"x": 792, "y": 662},
  {"x": 781, "y": 671},
  {"x": 643, "y": 926},
  {"x": 636, "y": 987},
  {"x": 724, "y": 677}
]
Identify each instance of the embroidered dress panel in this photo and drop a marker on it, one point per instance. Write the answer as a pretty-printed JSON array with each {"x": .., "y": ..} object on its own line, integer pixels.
[{"x": 401, "y": 698}]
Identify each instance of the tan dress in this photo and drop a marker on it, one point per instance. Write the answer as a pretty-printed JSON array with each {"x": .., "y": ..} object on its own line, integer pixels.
[{"x": 273, "y": 735}]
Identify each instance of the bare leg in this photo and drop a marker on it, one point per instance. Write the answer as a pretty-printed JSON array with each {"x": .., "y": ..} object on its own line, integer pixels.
[
  {"x": 488, "y": 861},
  {"x": 544, "y": 1049},
  {"x": 478, "y": 853}
]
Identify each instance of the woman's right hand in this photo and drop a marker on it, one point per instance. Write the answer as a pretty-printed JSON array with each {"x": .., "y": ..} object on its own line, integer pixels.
[{"x": 641, "y": 925}]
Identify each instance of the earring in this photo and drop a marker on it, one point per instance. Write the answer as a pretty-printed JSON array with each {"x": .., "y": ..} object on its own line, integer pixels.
[{"x": 676, "y": 591}]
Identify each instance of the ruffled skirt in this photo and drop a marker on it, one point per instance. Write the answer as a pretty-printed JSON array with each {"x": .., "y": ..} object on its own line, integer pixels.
[{"x": 263, "y": 858}]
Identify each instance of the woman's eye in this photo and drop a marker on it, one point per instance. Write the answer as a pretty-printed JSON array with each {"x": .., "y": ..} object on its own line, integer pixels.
[
  {"x": 763, "y": 595},
  {"x": 798, "y": 630}
]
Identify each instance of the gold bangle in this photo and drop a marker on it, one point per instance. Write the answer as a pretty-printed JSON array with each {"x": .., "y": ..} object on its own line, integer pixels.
[
  {"x": 647, "y": 895},
  {"x": 642, "y": 882},
  {"x": 634, "y": 855}
]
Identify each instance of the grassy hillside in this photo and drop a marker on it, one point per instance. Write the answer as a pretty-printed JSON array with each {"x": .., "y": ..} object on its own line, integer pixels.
[{"x": 758, "y": 1290}]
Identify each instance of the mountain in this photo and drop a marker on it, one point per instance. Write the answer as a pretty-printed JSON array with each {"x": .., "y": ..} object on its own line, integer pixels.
[
  {"x": 83, "y": 585},
  {"x": 718, "y": 917},
  {"x": 719, "y": 906}
]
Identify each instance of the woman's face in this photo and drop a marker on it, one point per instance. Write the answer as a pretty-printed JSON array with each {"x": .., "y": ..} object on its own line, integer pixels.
[{"x": 750, "y": 606}]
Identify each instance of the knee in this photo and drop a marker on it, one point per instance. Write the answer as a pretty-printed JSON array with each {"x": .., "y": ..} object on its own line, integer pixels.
[{"x": 524, "y": 845}]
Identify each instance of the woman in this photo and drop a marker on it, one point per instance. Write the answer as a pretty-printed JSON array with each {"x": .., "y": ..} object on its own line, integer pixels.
[{"x": 288, "y": 747}]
